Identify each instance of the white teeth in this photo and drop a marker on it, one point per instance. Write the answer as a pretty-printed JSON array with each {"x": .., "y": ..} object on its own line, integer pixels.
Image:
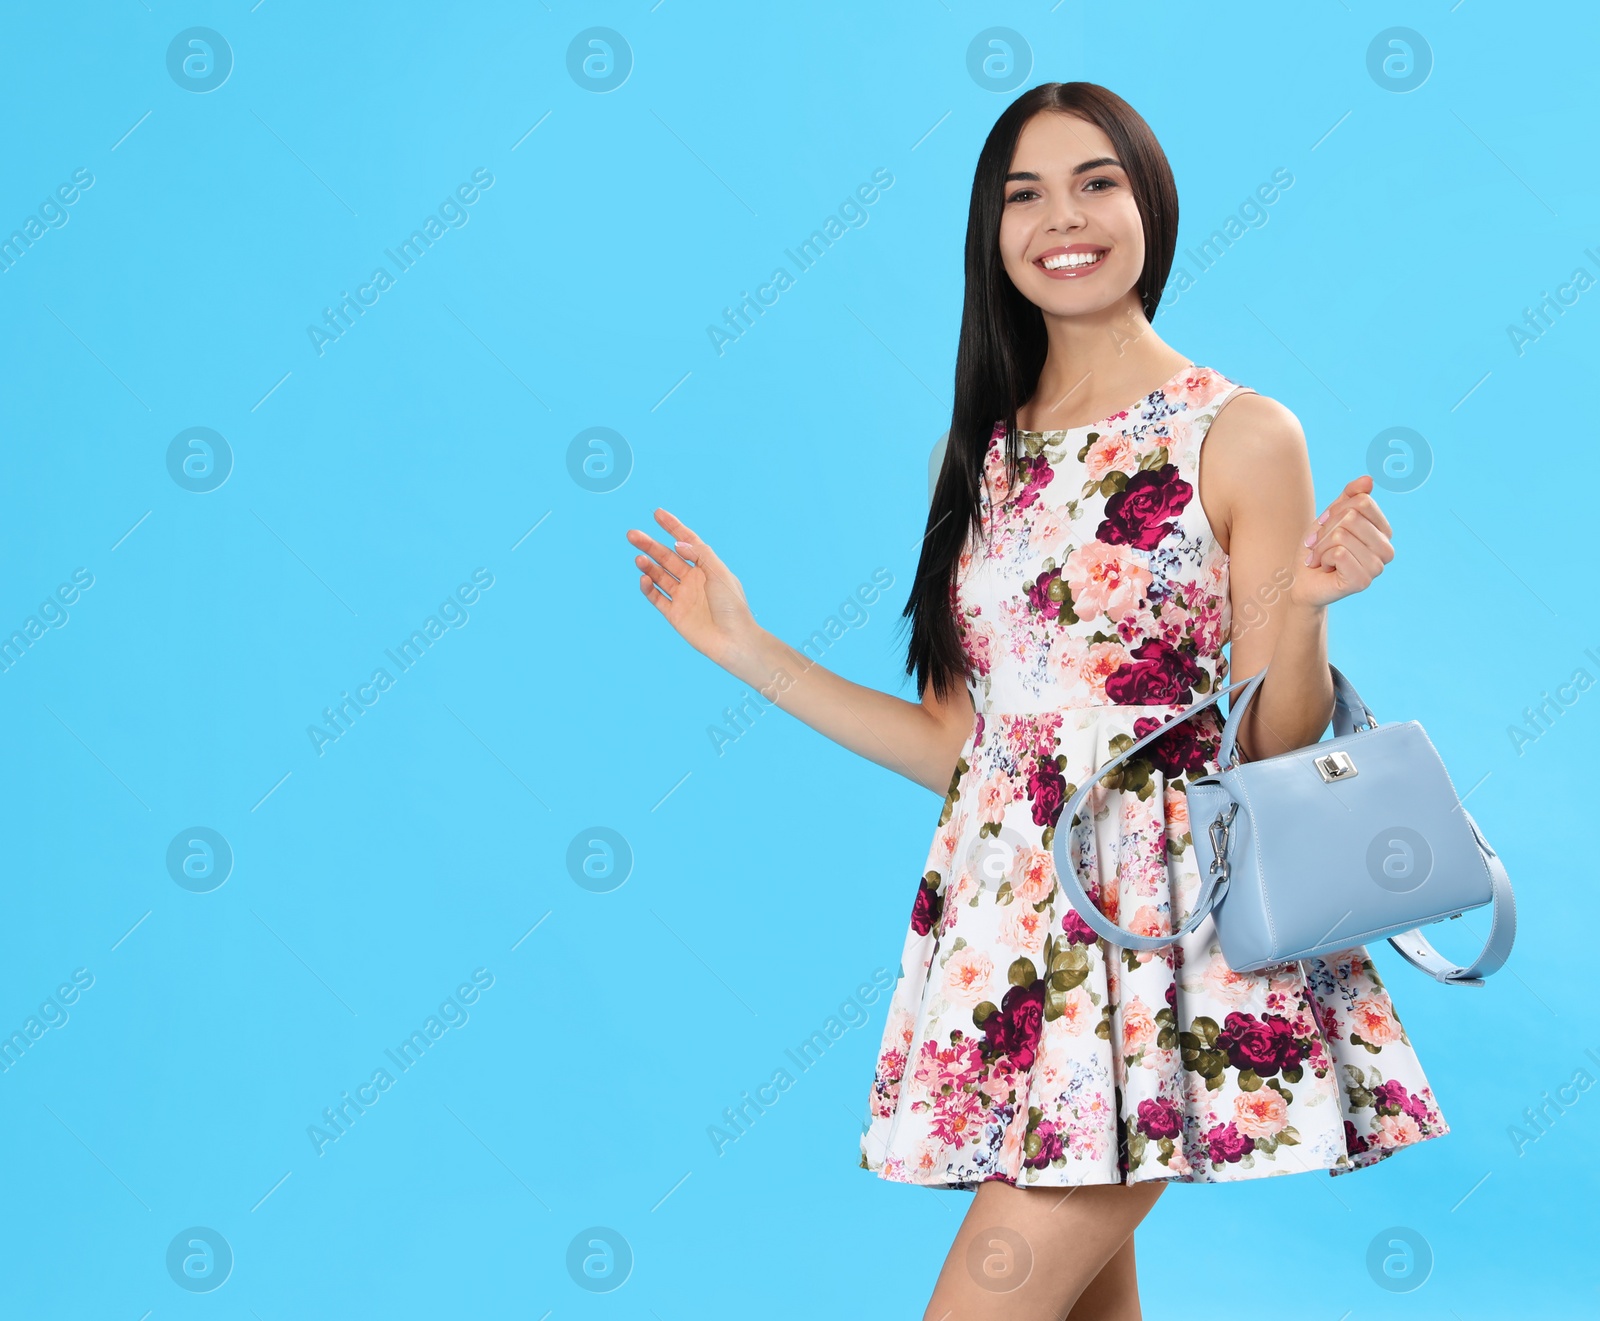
[{"x": 1068, "y": 260}]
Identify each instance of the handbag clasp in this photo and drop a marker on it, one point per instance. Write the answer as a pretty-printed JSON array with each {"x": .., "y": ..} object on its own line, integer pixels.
[
  {"x": 1335, "y": 765},
  {"x": 1219, "y": 840}
]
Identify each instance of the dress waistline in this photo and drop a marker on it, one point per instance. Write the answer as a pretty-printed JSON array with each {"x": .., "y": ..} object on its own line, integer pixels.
[{"x": 1011, "y": 709}]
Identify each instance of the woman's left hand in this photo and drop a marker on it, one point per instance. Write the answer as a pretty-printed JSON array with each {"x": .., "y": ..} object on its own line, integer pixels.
[{"x": 1345, "y": 549}]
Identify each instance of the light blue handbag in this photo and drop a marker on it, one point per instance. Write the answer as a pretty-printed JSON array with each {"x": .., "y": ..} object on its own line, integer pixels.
[{"x": 1350, "y": 840}]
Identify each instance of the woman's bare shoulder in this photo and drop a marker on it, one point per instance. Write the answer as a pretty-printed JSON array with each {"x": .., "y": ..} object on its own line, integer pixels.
[
  {"x": 1254, "y": 456},
  {"x": 1256, "y": 427}
]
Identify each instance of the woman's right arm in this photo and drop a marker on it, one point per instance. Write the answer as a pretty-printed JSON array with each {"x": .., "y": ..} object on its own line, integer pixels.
[{"x": 700, "y": 597}]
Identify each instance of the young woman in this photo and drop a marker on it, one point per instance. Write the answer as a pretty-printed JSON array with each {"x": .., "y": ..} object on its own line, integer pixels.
[{"x": 1085, "y": 561}]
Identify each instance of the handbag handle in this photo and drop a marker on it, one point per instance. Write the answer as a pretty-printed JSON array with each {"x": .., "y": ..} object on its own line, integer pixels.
[
  {"x": 1346, "y": 702},
  {"x": 1412, "y": 945},
  {"x": 1067, "y": 874}
]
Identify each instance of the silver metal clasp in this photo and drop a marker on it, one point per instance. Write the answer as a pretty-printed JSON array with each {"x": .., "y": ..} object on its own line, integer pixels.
[
  {"x": 1335, "y": 766},
  {"x": 1219, "y": 840}
]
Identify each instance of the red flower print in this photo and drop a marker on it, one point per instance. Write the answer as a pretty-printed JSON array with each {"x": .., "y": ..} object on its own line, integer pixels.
[
  {"x": 1159, "y": 1119},
  {"x": 1227, "y": 1144},
  {"x": 1140, "y": 514},
  {"x": 1078, "y": 931},
  {"x": 1265, "y": 1045},
  {"x": 926, "y": 911},
  {"x": 1184, "y": 750},
  {"x": 1047, "y": 791},
  {"x": 1158, "y": 675},
  {"x": 1014, "y": 1029},
  {"x": 1048, "y": 606}
]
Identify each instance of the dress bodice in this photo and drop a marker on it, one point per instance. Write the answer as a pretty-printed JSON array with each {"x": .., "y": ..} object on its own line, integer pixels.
[{"x": 1099, "y": 580}]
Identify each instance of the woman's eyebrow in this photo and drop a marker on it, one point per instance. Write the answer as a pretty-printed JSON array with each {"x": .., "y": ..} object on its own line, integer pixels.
[{"x": 1098, "y": 163}]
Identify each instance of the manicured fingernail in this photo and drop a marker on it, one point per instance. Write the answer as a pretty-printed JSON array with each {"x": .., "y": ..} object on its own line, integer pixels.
[
  {"x": 1323, "y": 517},
  {"x": 1308, "y": 557},
  {"x": 683, "y": 547},
  {"x": 1311, "y": 539}
]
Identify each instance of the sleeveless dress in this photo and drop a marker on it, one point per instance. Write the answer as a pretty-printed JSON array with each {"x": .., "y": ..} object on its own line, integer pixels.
[{"x": 1020, "y": 1046}]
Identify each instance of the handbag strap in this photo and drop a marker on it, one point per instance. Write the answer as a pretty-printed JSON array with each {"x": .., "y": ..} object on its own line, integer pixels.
[
  {"x": 1347, "y": 704},
  {"x": 1067, "y": 874},
  {"x": 1412, "y": 945}
]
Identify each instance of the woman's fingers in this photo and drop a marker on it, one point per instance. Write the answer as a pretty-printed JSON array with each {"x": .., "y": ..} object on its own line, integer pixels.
[
  {"x": 673, "y": 563},
  {"x": 1357, "y": 532},
  {"x": 1363, "y": 503},
  {"x": 1351, "y": 555},
  {"x": 1357, "y": 495},
  {"x": 655, "y": 597},
  {"x": 1354, "y": 568},
  {"x": 677, "y": 528},
  {"x": 696, "y": 552},
  {"x": 1352, "y": 514},
  {"x": 656, "y": 574}
]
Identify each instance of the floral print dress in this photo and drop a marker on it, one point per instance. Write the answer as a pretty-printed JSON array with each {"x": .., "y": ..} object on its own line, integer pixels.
[{"x": 1020, "y": 1046}]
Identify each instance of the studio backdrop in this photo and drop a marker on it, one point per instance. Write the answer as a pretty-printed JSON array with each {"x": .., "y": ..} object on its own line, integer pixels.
[{"x": 399, "y": 920}]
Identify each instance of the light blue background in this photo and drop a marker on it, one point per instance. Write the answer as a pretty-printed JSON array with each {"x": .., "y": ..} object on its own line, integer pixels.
[{"x": 769, "y": 881}]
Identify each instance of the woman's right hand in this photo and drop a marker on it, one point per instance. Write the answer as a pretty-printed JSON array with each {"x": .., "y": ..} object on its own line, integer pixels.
[{"x": 695, "y": 590}]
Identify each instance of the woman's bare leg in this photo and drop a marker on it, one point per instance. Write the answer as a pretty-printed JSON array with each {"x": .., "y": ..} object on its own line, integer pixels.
[
  {"x": 1113, "y": 1295},
  {"x": 1030, "y": 1254}
]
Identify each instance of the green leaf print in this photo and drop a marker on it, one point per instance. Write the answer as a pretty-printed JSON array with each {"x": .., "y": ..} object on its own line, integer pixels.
[
  {"x": 1022, "y": 972},
  {"x": 1137, "y": 1142},
  {"x": 1084, "y": 452},
  {"x": 954, "y": 791},
  {"x": 1132, "y": 776},
  {"x": 1069, "y": 968},
  {"x": 1154, "y": 459},
  {"x": 1288, "y": 1137},
  {"x": 1249, "y": 1080},
  {"x": 984, "y": 1011},
  {"x": 1198, "y": 1051},
  {"x": 1356, "y": 1088}
]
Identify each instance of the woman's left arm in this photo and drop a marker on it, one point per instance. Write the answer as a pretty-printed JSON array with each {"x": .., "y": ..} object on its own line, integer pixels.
[{"x": 1285, "y": 566}]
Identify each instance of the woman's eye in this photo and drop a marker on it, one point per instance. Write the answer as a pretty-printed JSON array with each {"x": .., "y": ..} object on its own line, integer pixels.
[
  {"x": 1107, "y": 183},
  {"x": 1021, "y": 193}
]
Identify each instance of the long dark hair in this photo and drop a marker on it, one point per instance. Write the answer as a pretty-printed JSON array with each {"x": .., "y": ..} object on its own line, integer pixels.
[{"x": 1002, "y": 349}]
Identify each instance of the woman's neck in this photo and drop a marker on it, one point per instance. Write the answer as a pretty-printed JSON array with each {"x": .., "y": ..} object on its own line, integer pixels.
[{"x": 1095, "y": 366}]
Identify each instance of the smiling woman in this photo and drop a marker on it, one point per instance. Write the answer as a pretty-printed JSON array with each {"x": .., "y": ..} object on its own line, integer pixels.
[{"x": 1104, "y": 511}]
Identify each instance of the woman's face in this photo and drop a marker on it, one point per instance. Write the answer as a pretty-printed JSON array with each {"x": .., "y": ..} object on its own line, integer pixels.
[{"x": 1070, "y": 234}]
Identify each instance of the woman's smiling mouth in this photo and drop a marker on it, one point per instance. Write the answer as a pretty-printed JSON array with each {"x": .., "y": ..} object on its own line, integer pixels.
[{"x": 1071, "y": 263}]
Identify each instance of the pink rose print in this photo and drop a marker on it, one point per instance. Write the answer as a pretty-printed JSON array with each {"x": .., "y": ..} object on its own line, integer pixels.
[{"x": 1105, "y": 580}]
